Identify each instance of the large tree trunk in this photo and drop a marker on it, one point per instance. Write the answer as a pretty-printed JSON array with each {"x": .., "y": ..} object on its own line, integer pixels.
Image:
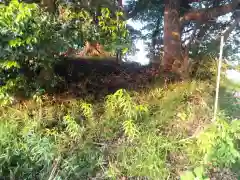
[
  {"x": 172, "y": 35},
  {"x": 49, "y": 5}
]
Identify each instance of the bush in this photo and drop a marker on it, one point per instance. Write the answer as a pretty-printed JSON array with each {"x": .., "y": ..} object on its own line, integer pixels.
[
  {"x": 168, "y": 135},
  {"x": 219, "y": 143},
  {"x": 205, "y": 67},
  {"x": 31, "y": 40},
  {"x": 37, "y": 143}
]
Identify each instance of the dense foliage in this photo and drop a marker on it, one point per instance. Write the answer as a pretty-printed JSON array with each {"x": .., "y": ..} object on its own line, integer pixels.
[
  {"x": 129, "y": 135},
  {"x": 199, "y": 35},
  {"x": 31, "y": 39},
  {"x": 154, "y": 127}
]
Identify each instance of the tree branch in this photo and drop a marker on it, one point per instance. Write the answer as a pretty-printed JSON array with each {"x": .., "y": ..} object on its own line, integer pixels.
[
  {"x": 188, "y": 30},
  {"x": 134, "y": 10},
  {"x": 196, "y": 27},
  {"x": 228, "y": 31},
  {"x": 203, "y": 15}
]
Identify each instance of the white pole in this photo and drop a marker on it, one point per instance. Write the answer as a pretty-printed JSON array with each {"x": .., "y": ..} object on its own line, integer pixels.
[{"x": 218, "y": 78}]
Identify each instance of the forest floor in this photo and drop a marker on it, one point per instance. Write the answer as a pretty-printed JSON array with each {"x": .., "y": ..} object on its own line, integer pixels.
[{"x": 152, "y": 128}]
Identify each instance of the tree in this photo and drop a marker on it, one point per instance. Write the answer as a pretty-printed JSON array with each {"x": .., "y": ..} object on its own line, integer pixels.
[
  {"x": 32, "y": 40},
  {"x": 172, "y": 37},
  {"x": 188, "y": 25}
]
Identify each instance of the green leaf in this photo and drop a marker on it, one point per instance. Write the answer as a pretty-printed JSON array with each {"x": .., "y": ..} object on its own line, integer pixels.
[
  {"x": 199, "y": 171},
  {"x": 124, "y": 50},
  {"x": 188, "y": 175},
  {"x": 119, "y": 13},
  {"x": 32, "y": 6},
  {"x": 15, "y": 42},
  {"x": 9, "y": 64}
]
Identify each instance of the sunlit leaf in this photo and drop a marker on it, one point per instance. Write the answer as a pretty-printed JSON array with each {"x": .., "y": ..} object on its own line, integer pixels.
[
  {"x": 188, "y": 175},
  {"x": 9, "y": 64}
]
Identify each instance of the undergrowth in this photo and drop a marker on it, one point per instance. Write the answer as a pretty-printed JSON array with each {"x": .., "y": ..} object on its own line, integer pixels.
[{"x": 162, "y": 133}]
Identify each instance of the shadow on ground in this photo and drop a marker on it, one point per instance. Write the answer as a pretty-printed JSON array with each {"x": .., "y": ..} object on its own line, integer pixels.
[{"x": 98, "y": 78}]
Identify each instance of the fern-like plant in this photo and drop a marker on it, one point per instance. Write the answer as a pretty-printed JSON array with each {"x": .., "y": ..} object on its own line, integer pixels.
[{"x": 121, "y": 105}]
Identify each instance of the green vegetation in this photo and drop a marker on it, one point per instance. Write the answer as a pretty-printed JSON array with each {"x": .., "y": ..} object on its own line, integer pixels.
[
  {"x": 232, "y": 85},
  {"x": 167, "y": 132},
  {"x": 156, "y": 130},
  {"x": 32, "y": 39}
]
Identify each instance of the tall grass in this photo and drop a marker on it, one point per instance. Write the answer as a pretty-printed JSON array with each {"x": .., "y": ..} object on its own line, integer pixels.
[{"x": 157, "y": 133}]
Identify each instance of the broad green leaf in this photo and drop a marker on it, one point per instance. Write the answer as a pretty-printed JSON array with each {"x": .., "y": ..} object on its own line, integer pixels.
[
  {"x": 199, "y": 171},
  {"x": 9, "y": 64},
  {"x": 124, "y": 50},
  {"x": 15, "y": 42},
  {"x": 188, "y": 175}
]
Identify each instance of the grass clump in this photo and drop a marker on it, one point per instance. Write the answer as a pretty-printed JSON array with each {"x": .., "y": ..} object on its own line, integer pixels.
[{"x": 161, "y": 133}]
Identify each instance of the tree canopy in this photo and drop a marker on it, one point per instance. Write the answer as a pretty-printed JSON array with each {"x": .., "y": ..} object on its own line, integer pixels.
[{"x": 194, "y": 24}]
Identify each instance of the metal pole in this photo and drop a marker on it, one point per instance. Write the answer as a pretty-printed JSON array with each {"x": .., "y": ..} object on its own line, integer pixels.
[{"x": 218, "y": 78}]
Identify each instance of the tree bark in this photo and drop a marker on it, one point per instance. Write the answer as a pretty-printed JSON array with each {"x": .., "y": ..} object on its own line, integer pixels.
[
  {"x": 120, "y": 3},
  {"x": 172, "y": 35},
  {"x": 49, "y": 5}
]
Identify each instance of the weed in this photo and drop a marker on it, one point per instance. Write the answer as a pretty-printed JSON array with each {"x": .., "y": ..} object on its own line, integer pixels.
[
  {"x": 167, "y": 134},
  {"x": 217, "y": 143},
  {"x": 197, "y": 173}
]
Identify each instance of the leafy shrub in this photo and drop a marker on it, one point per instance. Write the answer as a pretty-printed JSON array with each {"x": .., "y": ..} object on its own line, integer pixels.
[
  {"x": 109, "y": 31},
  {"x": 31, "y": 39},
  {"x": 216, "y": 147},
  {"x": 146, "y": 156},
  {"x": 143, "y": 153},
  {"x": 113, "y": 33},
  {"x": 118, "y": 138},
  {"x": 121, "y": 105},
  {"x": 218, "y": 143},
  {"x": 23, "y": 155},
  {"x": 197, "y": 173},
  {"x": 28, "y": 151},
  {"x": 205, "y": 67},
  {"x": 31, "y": 147}
]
